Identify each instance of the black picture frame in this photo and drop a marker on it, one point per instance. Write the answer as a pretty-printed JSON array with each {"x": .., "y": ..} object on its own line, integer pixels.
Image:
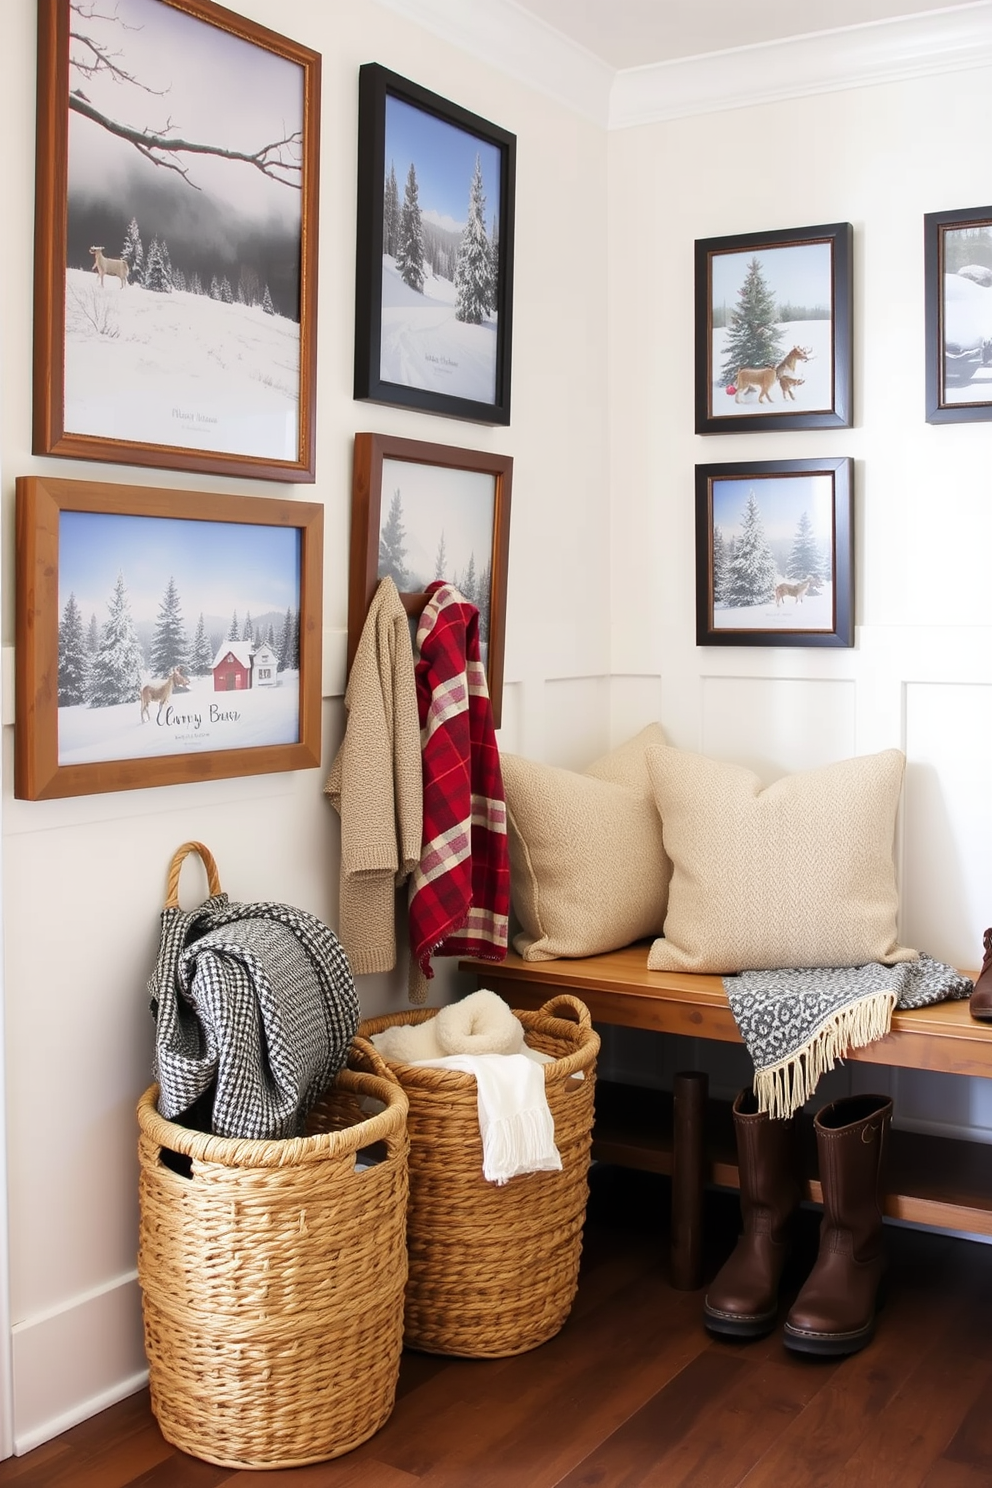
[
  {"x": 824, "y": 540},
  {"x": 958, "y": 321},
  {"x": 814, "y": 263},
  {"x": 462, "y": 369}
]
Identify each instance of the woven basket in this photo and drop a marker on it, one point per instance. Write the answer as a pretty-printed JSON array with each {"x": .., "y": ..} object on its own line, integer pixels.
[
  {"x": 493, "y": 1268},
  {"x": 272, "y": 1277},
  {"x": 272, "y": 1281}
]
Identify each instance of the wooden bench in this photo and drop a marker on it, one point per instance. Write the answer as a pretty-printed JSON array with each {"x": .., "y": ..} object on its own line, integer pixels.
[{"x": 931, "y": 1180}]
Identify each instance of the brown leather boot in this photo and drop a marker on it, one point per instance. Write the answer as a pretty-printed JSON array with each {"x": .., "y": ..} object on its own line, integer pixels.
[
  {"x": 981, "y": 996},
  {"x": 835, "y": 1311},
  {"x": 743, "y": 1297}
]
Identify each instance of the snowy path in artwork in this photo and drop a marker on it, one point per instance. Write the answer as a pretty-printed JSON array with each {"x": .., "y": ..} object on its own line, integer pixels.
[
  {"x": 179, "y": 369},
  {"x": 424, "y": 346},
  {"x": 195, "y": 721}
]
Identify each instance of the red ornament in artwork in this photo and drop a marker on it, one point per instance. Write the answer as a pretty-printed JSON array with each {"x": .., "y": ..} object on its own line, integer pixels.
[{"x": 730, "y": 391}]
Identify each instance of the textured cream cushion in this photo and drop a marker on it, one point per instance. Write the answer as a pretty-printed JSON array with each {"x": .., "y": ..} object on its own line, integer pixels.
[
  {"x": 588, "y": 870},
  {"x": 798, "y": 874}
]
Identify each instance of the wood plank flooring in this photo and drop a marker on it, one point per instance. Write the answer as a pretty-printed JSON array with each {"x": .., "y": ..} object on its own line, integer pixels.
[{"x": 634, "y": 1394}]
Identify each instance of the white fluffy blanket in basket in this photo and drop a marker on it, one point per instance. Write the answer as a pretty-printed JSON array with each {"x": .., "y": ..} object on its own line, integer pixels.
[{"x": 480, "y": 1036}]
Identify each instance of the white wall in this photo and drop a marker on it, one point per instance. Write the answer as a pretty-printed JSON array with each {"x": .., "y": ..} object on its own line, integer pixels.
[
  {"x": 600, "y": 634},
  {"x": 84, "y": 879},
  {"x": 920, "y": 675}
]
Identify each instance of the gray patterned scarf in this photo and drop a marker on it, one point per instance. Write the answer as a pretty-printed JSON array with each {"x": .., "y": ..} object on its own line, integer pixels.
[{"x": 798, "y": 1024}]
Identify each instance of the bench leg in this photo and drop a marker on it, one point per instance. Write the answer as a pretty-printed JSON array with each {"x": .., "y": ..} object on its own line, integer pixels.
[{"x": 691, "y": 1089}]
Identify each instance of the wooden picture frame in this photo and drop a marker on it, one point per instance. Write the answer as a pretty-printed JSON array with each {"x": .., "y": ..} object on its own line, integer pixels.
[
  {"x": 143, "y": 700},
  {"x": 429, "y": 334},
  {"x": 778, "y": 308},
  {"x": 175, "y": 264},
  {"x": 469, "y": 490},
  {"x": 957, "y": 256},
  {"x": 757, "y": 524}
]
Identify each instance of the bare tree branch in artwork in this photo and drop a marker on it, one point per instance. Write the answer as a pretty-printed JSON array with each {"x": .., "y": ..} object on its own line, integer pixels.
[{"x": 280, "y": 159}]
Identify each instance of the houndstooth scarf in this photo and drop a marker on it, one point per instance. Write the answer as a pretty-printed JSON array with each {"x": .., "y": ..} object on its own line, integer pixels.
[
  {"x": 798, "y": 1024},
  {"x": 254, "y": 1004}
]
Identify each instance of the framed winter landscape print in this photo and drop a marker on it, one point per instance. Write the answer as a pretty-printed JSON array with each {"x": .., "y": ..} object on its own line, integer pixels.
[
  {"x": 434, "y": 275},
  {"x": 958, "y": 299},
  {"x": 175, "y": 239},
  {"x": 421, "y": 512},
  {"x": 163, "y": 636},
  {"x": 775, "y": 553},
  {"x": 773, "y": 330}
]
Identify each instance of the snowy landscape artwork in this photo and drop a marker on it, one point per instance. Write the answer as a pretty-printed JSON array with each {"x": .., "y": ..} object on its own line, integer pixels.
[
  {"x": 184, "y": 234},
  {"x": 438, "y": 523},
  {"x": 440, "y": 256},
  {"x": 771, "y": 330},
  {"x": 774, "y": 553},
  {"x": 966, "y": 314},
  {"x": 175, "y": 636}
]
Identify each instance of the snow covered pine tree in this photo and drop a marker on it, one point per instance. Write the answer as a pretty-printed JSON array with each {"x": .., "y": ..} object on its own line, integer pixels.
[{"x": 752, "y": 339}]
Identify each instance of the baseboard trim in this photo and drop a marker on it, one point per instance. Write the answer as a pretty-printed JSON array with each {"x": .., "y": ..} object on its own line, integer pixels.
[
  {"x": 75, "y": 1359},
  {"x": 26, "y": 1441}
]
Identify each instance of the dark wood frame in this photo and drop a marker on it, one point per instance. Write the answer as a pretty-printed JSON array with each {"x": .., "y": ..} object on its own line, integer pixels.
[
  {"x": 934, "y": 224},
  {"x": 366, "y": 508},
  {"x": 37, "y": 772},
  {"x": 50, "y": 437},
  {"x": 840, "y": 235},
  {"x": 842, "y": 471},
  {"x": 375, "y": 83}
]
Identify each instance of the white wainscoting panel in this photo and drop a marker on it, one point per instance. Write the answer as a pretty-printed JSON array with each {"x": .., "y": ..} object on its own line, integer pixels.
[
  {"x": 510, "y": 729},
  {"x": 635, "y": 701},
  {"x": 947, "y": 838},
  {"x": 946, "y": 1105},
  {"x": 576, "y": 721},
  {"x": 777, "y": 725}
]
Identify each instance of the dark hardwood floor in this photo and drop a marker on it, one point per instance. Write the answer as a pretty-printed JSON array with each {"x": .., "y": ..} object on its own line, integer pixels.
[{"x": 633, "y": 1392}]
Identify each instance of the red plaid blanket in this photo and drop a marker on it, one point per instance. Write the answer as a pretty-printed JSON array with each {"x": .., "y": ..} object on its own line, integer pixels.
[{"x": 460, "y": 891}]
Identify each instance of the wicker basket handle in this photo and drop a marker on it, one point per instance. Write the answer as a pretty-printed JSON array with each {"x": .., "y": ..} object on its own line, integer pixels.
[
  {"x": 365, "y": 1056},
  {"x": 178, "y": 858},
  {"x": 564, "y": 1005}
]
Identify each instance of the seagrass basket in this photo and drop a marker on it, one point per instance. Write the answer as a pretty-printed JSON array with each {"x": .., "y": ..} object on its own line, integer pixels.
[
  {"x": 272, "y": 1277},
  {"x": 493, "y": 1268}
]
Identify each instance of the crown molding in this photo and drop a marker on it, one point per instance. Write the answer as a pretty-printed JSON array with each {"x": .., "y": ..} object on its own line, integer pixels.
[
  {"x": 509, "y": 38},
  {"x": 938, "y": 41},
  {"x": 517, "y": 43}
]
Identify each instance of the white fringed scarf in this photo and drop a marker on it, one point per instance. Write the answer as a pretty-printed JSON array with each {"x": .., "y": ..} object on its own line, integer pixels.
[{"x": 482, "y": 1037}]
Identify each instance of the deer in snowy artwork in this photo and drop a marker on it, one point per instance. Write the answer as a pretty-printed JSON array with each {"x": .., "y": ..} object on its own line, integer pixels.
[
  {"x": 787, "y": 383},
  {"x": 115, "y": 267},
  {"x": 795, "y": 590},
  {"x": 763, "y": 379},
  {"x": 161, "y": 692}
]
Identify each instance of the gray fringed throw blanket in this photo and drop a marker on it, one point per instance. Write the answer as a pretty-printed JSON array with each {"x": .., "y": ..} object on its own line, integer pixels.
[
  {"x": 797, "y": 1024},
  {"x": 254, "y": 1003}
]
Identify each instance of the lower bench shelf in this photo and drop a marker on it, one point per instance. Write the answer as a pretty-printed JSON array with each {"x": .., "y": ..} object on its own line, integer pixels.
[{"x": 937, "y": 1181}]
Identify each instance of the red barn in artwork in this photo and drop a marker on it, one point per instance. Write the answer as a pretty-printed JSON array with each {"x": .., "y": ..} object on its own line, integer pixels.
[{"x": 232, "y": 667}]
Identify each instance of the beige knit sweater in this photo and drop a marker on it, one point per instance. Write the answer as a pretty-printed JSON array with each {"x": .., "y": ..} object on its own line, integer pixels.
[{"x": 376, "y": 784}]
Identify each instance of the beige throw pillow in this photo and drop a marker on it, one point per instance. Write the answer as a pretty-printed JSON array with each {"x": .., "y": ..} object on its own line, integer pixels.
[
  {"x": 588, "y": 870},
  {"x": 800, "y": 873}
]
